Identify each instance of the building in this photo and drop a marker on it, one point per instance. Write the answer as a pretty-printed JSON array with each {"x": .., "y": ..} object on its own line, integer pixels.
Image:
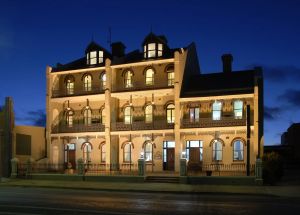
[{"x": 112, "y": 108}]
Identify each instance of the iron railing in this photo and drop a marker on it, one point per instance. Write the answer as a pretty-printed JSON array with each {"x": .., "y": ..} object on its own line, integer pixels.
[
  {"x": 94, "y": 89},
  {"x": 142, "y": 125},
  {"x": 209, "y": 122},
  {"x": 136, "y": 86}
]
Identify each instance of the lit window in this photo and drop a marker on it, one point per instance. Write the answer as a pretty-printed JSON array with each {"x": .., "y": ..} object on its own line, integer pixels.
[
  {"x": 160, "y": 50},
  {"x": 128, "y": 115},
  {"x": 103, "y": 157},
  {"x": 238, "y": 109},
  {"x": 145, "y": 51},
  {"x": 128, "y": 79},
  {"x": 149, "y": 77},
  {"x": 69, "y": 118},
  {"x": 70, "y": 86},
  {"x": 103, "y": 80},
  {"x": 148, "y": 151},
  {"x": 127, "y": 152},
  {"x": 151, "y": 50},
  {"x": 87, "y": 148},
  {"x": 102, "y": 116},
  {"x": 87, "y": 81},
  {"x": 194, "y": 114},
  {"x": 238, "y": 150},
  {"x": 149, "y": 114},
  {"x": 87, "y": 116},
  {"x": 93, "y": 57},
  {"x": 100, "y": 57},
  {"x": 170, "y": 113},
  {"x": 171, "y": 76},
  {"x": 216, "y": 110},
  {"x": 217, "y": 150}
]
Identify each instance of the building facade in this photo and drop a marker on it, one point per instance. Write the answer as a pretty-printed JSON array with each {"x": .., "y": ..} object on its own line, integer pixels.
[{"x": 112, "y": 108}]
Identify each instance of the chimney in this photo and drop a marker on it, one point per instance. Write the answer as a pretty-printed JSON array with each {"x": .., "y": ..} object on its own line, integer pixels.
[
  {"x": 227, "y": 63},
  {"x": 118, "y": 49}
]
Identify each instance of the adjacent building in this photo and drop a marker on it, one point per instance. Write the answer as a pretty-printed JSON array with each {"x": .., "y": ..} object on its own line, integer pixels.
[{"x": 111, "y": 108}]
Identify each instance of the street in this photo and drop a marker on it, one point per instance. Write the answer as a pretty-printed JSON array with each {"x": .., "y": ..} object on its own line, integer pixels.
[{"x": 20, "y": 200}]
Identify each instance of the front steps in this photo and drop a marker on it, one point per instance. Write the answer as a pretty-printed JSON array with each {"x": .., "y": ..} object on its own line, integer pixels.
[{"x": 162, "y": 179}]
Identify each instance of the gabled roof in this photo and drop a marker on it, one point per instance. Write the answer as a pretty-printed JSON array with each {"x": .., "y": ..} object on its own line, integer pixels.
[
  {"x": 150, "y": 38},
  {"x": 93, "y": 46}
]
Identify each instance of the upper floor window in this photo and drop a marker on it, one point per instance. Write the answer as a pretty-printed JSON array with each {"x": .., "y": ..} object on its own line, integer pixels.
[
  {"x": 127, "y": 152},
  {"x": 128, "y": 115},
  {"x": 69, "y": 117},
  {"x": 149, "y": 114},
  {"x": 87, "y": 116},
  {"x": 216, "y": 110},
  {"x": 194, "y": 114},
  {"x": 171, "y": 113},
  {"x": 238, "y": 109},
  {"x": 171, "y": 76},
  {"x": 128, "y": 79},
  {"x": 238, "y": 150},
  {"x": 149, "y": 76},
  {"x": 94, "y": 57},
  {"x": 87, "y": 82},
  {"x": 148, "y": 154},
  {"x": 70, "y": 85},
  {"x": 87, "y": 148},
  {"x": 103, "y": 80},
  {"x": 152, "y": 50},
  {"x": 217, "y": 150}
]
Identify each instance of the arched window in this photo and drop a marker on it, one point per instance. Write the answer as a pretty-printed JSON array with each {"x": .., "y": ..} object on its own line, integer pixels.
[
  {"x": 171, "y": 75},
  {"x": 87, "y": 148},
  {"x": 103, "y": 80},
  {"x": 70, "y": 85},
  {"x": 87, "y": 82},
  {"x": 128, "y": 79},
  {"x": 171, "y": 113},
  {"x": 128, "y": 115},
  {"x": 149, "y": 76},
  {"x": 69, "y": 118},
  {"x": 102, "y": 153},
  {"x": 148, "y": 113},
  {"x": 87, "y": 116},
  {"x": 217, "y": 150},
  {"x": 127, "y": 152},
  {"x": 102, "y": 116},
  {"x": 216, "y": 110},
  {"x": 238, "y": 109},
  {"x": 148, "y": 151},
  {"x": 238, "y": 150}
]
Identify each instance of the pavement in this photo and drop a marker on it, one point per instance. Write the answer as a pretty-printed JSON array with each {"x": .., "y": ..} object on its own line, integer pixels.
[{"x": 280, "y": 191}]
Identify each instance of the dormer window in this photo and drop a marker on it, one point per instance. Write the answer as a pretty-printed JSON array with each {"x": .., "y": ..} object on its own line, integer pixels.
[
  {"x": 94, "y": 57},
  {"x": 152, "y": 50}
]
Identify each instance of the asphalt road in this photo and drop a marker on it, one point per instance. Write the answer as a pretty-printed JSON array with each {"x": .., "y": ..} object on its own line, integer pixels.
[{"x": 29, "y": 201}]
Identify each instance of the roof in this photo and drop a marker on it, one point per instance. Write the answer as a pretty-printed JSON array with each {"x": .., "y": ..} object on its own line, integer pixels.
[
  {"x": 154, "y": 38},
  {"x": 213, "y": 84}
]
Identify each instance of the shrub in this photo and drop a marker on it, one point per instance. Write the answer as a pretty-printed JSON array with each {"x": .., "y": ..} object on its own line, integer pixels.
[{"x": 272, "y": 168}]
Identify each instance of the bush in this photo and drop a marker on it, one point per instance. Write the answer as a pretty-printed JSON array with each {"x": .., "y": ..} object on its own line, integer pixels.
[{"x": 272, "y": 168}]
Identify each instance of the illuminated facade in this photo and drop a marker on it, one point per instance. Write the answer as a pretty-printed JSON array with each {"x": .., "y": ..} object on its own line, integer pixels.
[{"x": 112, "y": 108}]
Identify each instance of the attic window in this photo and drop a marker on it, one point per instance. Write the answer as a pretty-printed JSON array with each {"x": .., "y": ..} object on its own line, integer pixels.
[
  {"x": 152, "y": 50},
  {"x": 94, "y": 57}
]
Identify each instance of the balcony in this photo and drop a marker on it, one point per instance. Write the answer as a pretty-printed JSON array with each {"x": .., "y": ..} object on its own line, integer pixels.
[
  {"x": 57, "y": 93},
  {"x": 138, "y": 86},
  {"x": 225, "y": 121},
  {"x": 141, "y": 125}
]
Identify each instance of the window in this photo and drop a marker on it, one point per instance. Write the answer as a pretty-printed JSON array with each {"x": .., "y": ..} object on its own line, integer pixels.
[
  {"x": 148, "y": 151},
  {"x": 87, "y": 82},
  {"x": 171, "y": 76},
  {"x": 100, "y": 57},
  {"x": 102, "y": 116},
  {"x": 149, "y": 114},
  {"x": 160, "y": 50},
  {"x": 87, "y": 116},
  {"x": 128, "y": 79},
  {"x": 103, "y": 80},
  {"x": 94, "y": 57},
  {"x": 70, "y": 85},
  {"x": 127, "y": 152},
  {"x": 151, "y": 50},
  {"x": 217, "y": 150},
  {"x": 149, "y": 77},
  {"x": 194, "y": 114},
  {"x": 102, "y": 151},
  {"x": 128, "y": 115},
  {"x": 216, "y": 110},
  {"x": 171, "y": 113},
  {"x": 87, "y": 148},
  {"x": 238, "y": 109},
  {"x": 69, "y": 118},
  {"x": 238, "y": 150}
]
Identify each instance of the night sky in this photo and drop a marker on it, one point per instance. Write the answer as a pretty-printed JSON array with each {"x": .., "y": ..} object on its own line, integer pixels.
[{"x": 34, "y": 34}]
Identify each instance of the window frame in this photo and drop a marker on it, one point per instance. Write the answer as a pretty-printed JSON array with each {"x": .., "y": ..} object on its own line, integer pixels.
[
  {"x": 128, "y": 144},
  {"x": 148, "y": 151},
  {"x": 148, "y": 115},
  {"x": 86, "y": 150},
  {"x": 87, "y": 116},
  {"x": 149, "y": 78},
  {"x": 217, "y": 111},
  {"x": 102, "y": 81},
  {"x": 216, "y": 151},
  {"x": 128, "y": 79},
  {"x": 87, "y": 82},
  {"x": 238, "y": 110},
  {"x": 241, "y": 150},
  {"x": 171, "y": 110},
  {"x": 126, "y": 116},
  {"x": 69, "y": 115},
  {"x": 193, "y": 116}
]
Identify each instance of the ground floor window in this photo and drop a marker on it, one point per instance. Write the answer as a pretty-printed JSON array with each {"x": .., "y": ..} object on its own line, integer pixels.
[
  {"x": 127, "y": 152},
  {"x": 238, "y": 150},
  {"x": 217, "y": 150},
  {"x": 168, "y": 155},
  {"x": 194, "y": 150},
  {"x": 87, "y": 148},
  {"x": 148, "y": 152}
]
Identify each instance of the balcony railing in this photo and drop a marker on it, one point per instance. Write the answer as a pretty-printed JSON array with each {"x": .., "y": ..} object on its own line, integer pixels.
[
  {"x": 140, "y": 125},
  {"x": 136, "y": 86},
  {"x": 209, "y": 122},
  {"x": 56, "y": 93}
]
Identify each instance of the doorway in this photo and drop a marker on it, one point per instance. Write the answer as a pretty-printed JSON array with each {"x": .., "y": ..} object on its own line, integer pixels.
[
  {"x": 70, "y": 157},
  {"x": 168, "y": 155},
  {"x": 194, "y": 154}
]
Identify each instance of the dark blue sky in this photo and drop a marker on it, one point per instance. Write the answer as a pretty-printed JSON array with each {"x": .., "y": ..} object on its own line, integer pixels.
[{"x": 34, "y": 34}]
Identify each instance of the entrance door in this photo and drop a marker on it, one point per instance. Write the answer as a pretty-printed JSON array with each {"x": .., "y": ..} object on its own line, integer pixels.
[
  {"x": 72, "y": 158},
  {"x": 170, "y": 159},
  {"x": 194, "y": 155}
]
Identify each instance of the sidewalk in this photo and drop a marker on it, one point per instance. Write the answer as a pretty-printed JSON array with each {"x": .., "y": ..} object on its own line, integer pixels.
[{"x": 281, "y": 191}]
